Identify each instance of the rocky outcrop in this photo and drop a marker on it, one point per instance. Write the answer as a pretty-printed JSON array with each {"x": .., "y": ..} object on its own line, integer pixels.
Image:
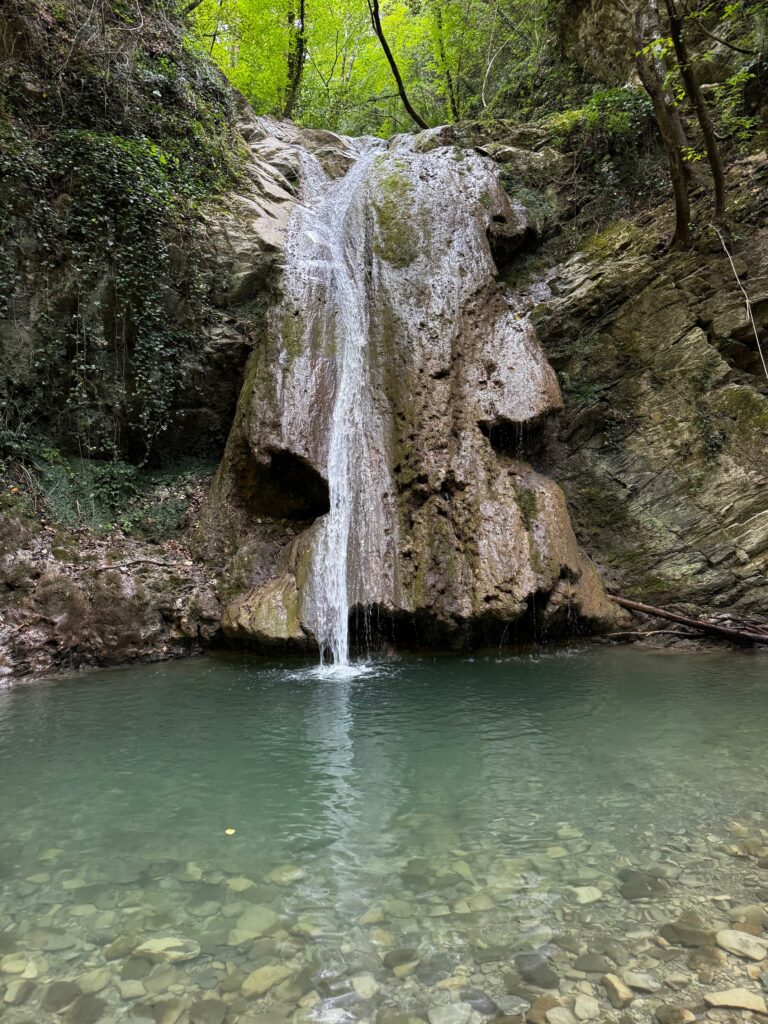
[
  {"x": 662, "y": 449},
  {"x": 451, "y": 535},
  {"x": 595, "y": 34},
  {"x": 69, "y": 602}
]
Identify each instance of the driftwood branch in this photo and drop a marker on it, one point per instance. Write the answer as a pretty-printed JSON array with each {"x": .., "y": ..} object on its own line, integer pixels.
[{"x": 738, "y": 635}]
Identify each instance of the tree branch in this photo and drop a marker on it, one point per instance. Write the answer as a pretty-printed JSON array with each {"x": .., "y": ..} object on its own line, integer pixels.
[{"x": 373, "y": 9}]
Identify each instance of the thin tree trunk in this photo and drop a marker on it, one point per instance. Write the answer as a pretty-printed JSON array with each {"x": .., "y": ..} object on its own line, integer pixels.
[
  {"x": 296, "y": 55},
  {"x": 674, "y": 114},
  {"x": 742, "y": 635},
  {"x": 696, "y": 96},
  {"x": 654, "y": 87},
  {"x": 446, "y": 70},
  {"x": 373, "y": 8}
]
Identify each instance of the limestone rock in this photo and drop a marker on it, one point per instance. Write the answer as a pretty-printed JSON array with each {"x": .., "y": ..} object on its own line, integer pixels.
[
  {"x": 260, "y": 981},
  {"x": 428, "y": 303},
  {"x": 586, "y": 1007},
  {"x": 452, "y": 1013},
  {"x": 641, "y": 982},
  {"x": 168, "y": 949},
  {"x": 748, "y": 946},
  {"x": 688, "y": 930},
  {"x": 737, "y": 999},
  {"x": 269, "y": 615},
  {"x": 619, "y": 994}
]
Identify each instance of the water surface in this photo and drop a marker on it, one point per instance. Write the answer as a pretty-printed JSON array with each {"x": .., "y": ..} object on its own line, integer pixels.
[{"x": 451, "y": 803}]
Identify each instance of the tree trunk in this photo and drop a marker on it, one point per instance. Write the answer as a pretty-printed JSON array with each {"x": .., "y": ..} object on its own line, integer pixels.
[
  {"x": 741, "y": 635},
  {"x": 681, "y": 138},
  {"x": 373, "y": 8},
  {"x": 296, "y": 55},
  {"x": 696, "y": 96},
  {"x": 675, "y": 160}
]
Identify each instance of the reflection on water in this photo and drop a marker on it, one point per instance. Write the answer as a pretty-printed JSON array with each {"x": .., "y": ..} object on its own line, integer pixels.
[{"x": 439, "y": 804}]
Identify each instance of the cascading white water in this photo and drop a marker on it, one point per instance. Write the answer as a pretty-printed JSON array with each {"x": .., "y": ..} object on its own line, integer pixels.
[{"x": 326, "y": 279}]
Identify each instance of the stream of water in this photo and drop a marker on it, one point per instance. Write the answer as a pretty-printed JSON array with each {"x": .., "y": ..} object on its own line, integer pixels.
[{"x": 324, "y": 280}]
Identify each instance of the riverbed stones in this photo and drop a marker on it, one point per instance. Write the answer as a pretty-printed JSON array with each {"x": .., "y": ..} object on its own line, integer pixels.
[
  {"x": 640, "y": 981},
  {"x": 365, "y": 985},
  {"x": 742, "y": 944},
  {"x": 130, "y": 990},
  {"x": 58, "y": 995},
  {"x": 395, "y": 958},
  {"x": 586, "y": 894},
  {"x": 560, "y": 1015},
  {"x": 536, "y": 969},
  {"x": 208, "y": 1011},
  {"x": 593, "y": 963},
  {"x": 619, "y": 994},
  {"x": 285, "y": 874},
  {"x": 86, "y": 1009},
  {"x": 94, "y": 981},
  {"x": 257, "y": 921},
  {"x": 260, "y": 981},
  {"x": 638, "y": 885},
  {"x": 688, "y": 930},
  {"x": 135, "y": 968},
  {"x": 669, "y": 1014},
  {"x": 14, "y": 963},
  {"x": 168, "y": 949},
  {"x": 586, "y": 1007},
  {"x": 737, "y": 999},
  {"x": 18, "y": 991},
  {"x": 537, "y": 1014},
  {"x": 452, "y": 1013}
]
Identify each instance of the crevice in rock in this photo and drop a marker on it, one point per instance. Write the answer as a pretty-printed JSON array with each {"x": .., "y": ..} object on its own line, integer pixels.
[
  {"x": 283, "y": 486},
  {"x": 515, "y": 438},
  {"x": 507, "y": 245}
]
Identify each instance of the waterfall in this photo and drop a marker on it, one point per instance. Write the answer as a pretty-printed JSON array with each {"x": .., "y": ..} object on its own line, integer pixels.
[
  {"x": 326, "y": 280},
  {"x": 397, "y": 374}
]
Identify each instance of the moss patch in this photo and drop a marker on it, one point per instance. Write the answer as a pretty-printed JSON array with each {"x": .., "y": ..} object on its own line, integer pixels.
[{"x": 397, "y": 239}]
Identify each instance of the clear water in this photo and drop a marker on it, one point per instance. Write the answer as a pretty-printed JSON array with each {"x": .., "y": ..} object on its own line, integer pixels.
[{"x": 419, "y": 785}]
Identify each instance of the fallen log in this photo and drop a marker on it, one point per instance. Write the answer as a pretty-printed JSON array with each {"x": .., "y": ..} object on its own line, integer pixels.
[{"x": 737, "y": 635}]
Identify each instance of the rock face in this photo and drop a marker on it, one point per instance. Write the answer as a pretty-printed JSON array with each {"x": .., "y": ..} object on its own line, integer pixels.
[
  {"x": 595, "y": 34},
  {"x": 109, "y": 606},
  {"x": 385, "y": 417},
  {"x": 661, "y": 450}
]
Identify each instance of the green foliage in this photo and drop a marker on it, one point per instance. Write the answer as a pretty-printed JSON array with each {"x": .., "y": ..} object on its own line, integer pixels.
[
  {"x": 458, "y": 60},
  {"x": 108, "y": 495},
  {"x": 105, "y": 201},
  {"x": 612, "y": 121}
]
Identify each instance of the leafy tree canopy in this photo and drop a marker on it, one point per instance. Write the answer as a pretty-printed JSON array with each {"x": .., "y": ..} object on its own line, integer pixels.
[{"x": 458, "y": 58}]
